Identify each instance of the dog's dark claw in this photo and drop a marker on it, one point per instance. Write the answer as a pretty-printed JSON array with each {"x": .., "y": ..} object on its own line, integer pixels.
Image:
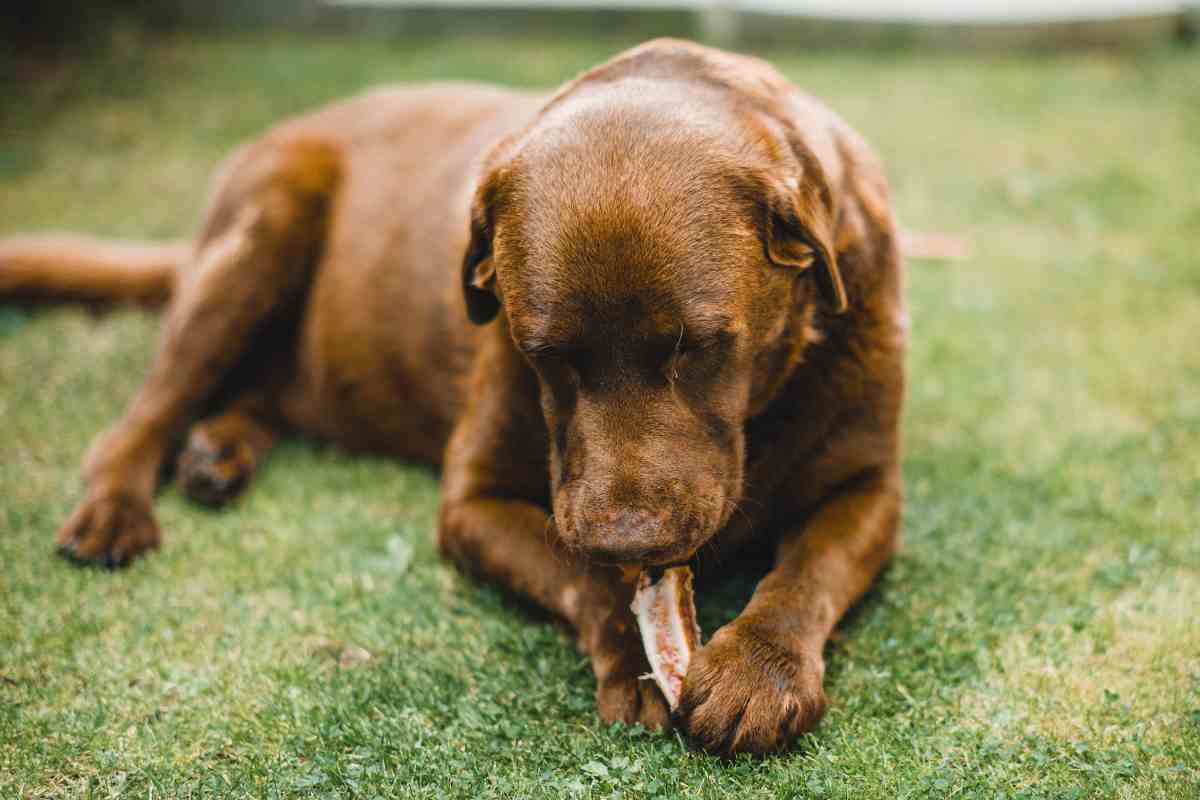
[{"x": 109, "y": 531}]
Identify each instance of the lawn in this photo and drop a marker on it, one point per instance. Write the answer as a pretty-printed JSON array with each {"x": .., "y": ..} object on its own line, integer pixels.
[{"x": 1039, "y": 635}]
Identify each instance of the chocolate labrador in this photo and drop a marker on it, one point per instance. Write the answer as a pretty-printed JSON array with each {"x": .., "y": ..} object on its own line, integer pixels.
[{"x": 677, "y": 328}]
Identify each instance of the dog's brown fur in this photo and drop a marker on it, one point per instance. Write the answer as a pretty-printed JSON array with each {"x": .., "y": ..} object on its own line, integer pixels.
[{"x": 690, "y": 334}]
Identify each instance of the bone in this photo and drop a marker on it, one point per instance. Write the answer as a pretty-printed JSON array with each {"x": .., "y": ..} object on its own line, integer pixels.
[{"x": 666, "y": 618}]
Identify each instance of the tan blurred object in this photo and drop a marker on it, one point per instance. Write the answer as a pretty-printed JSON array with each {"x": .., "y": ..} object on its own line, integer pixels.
[{"x": 934, "y": 246}]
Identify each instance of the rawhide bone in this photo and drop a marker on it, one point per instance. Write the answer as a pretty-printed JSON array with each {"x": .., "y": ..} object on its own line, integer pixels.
[{"x": 666, "y": 617}]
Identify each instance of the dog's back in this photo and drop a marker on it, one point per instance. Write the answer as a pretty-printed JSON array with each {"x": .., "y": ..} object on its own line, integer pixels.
[{"x": 384, "y": 299}]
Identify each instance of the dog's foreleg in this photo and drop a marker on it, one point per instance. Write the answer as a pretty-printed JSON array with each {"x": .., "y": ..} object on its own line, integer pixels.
[
  {"x": 494, "y": 524},
  {"x": 757, "y": 684},
  {"x": 510, "y": 543}
]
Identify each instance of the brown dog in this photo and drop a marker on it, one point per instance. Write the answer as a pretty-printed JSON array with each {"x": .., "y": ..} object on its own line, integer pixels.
[{"x": 685, "y": 291}]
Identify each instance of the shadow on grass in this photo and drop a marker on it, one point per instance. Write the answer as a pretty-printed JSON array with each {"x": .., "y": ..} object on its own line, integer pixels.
[{"x": 12, "y": 320}]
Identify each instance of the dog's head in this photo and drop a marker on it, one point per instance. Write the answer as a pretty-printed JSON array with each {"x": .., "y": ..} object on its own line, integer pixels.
[{"x": 660, "y": 245}]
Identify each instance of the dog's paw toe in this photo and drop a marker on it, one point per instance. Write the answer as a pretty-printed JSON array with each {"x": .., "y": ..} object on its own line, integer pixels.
[
  {"x": 214, "y": 475},
  {"x": 109, "y": 531}
]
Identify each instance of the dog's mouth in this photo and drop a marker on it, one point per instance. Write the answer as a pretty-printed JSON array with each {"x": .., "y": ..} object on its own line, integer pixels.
[
  {"x": 657, "y": 559},
  {"x": 630, "y": 573}
]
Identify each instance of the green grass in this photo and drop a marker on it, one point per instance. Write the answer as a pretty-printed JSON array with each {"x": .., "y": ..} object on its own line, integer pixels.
[{"x": 1039, "y": 635}]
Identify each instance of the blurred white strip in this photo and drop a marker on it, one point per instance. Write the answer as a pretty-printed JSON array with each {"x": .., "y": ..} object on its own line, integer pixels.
[{"x": 936, "y": 11}]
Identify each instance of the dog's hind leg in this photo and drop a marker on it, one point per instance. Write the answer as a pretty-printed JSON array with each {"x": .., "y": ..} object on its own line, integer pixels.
[
  {"x": 223, "y": 452},
  {"x": 253, "y": 265}
]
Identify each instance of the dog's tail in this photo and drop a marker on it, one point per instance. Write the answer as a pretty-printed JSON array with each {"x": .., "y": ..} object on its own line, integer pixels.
[{"x": 63, "y": 268}]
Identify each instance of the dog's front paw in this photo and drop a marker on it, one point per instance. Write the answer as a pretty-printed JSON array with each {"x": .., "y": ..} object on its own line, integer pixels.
[
  {"x": 629, "y": 699},
  {"x": 109, "y": 530},
  {"x": 745, "y": 693},
  {"x": 619, "y": 663}
]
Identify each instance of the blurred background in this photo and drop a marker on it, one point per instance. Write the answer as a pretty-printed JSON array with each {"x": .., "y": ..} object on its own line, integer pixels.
[
  {"x": 828, "y": 22},
  {"x": 1037, "y": 637}
]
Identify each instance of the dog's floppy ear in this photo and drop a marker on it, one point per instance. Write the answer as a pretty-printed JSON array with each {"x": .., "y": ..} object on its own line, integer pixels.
[
  {"x": 800, "y": 228},
  {"x": 479, "y": 268}
]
